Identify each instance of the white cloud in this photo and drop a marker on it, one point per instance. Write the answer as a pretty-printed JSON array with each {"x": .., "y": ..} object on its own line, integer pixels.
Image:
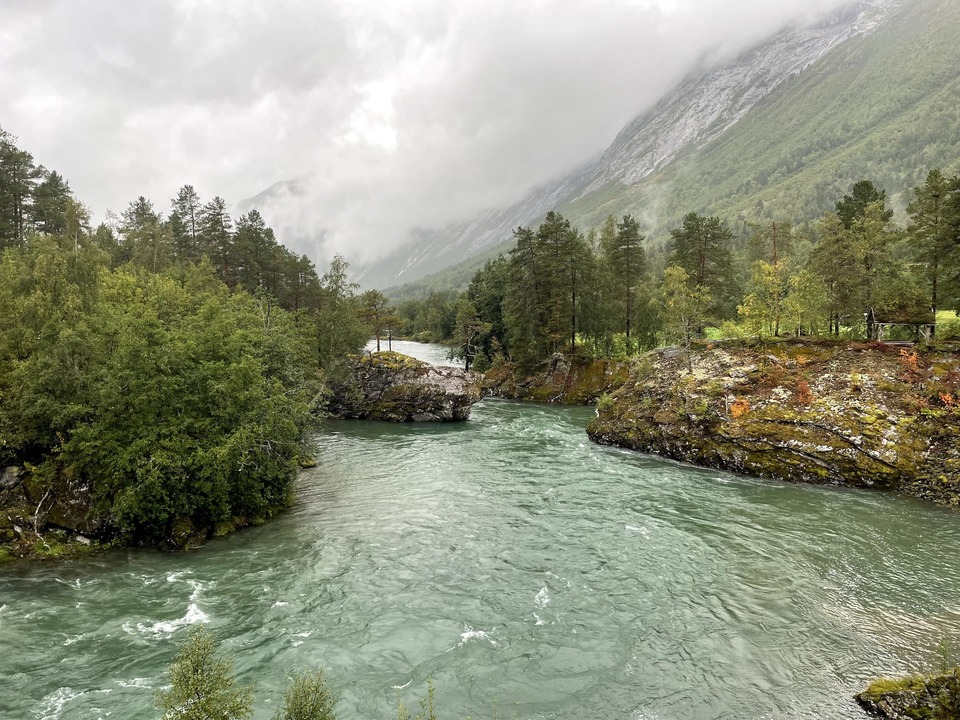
[{"x": 395, "y": 115}]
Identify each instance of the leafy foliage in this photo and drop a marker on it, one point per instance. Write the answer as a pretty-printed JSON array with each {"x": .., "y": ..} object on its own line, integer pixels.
[
  {"x": 307, "y": 698},
  {"x": 203, "y": 686},
  {"x": 173, "y": 389}
]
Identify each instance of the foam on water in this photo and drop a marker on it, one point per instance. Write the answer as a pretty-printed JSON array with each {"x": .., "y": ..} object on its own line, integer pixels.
[
  {"x": 136, "y": 682},
  {"x": 53, "y": 705},
  {"x": 165, "y": 628},
  {"x": 469, "y": 634},
  {"x": 542, "y": 599},
  {"x": 419, "y": 551}
]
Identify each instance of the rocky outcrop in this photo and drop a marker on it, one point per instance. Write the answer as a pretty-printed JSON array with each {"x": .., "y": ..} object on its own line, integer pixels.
[
  {"x": 937, "y": 698},
  {"x": 819, "y": 412},
  {"x": 394, "y": 387},
  {"x": 43, "y": 519},
  {"x": 560, "y": 379}
]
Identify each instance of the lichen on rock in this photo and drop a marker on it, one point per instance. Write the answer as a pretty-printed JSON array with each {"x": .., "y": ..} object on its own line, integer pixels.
[
  {"x": 824, "y": 412},
  {"x": 398, "y": 388},
  {"x": 560, "y": 379},
  {"x": 916, "y": 696}
]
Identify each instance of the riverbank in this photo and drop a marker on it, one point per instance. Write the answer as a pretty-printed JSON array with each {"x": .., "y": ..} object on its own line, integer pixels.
[
  {"x": 561, "y": 380},
  {"x": 471, "y": 552},
  {"x": 861, "y": 415},
  {"x": 936, "y": 697}
]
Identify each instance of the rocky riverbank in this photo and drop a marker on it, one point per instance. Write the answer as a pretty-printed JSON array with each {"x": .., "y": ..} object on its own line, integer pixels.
[
  {"x": 865, "y": 415},
  {"x": 42, "y": 520},
  {"x": 559, "y": 379},
  {"x": 935, "y": 697},
  {"x": 398, "y": 388}
]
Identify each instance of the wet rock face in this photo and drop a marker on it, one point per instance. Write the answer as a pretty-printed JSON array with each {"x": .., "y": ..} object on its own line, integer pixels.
[
  {"x": 559, "y": 379},
  {"x": 398, "y": 388},
  {"x": 829, "y": 413},
  {"x": 916, "y": 696}
]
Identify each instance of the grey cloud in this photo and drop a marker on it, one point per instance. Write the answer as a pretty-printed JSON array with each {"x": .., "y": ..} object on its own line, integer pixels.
[{"x": 391, "y": 115}]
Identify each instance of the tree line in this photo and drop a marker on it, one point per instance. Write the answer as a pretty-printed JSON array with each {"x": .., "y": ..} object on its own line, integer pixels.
[
  {"x": 165, "y": 365},
  {"x": 606, "y": 294}
]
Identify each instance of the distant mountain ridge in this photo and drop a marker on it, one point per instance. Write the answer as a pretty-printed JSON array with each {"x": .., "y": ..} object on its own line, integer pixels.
[
  {"x": 701, "y": 109},
  {"x": 707, "y": 104},
  {"x": 781, "y": 131}
]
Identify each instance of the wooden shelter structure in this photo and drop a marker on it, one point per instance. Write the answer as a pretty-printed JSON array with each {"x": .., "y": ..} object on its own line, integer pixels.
[{"x": 921, "y": 323}]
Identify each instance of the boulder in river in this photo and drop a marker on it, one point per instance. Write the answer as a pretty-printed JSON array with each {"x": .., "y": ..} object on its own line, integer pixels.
[{"x": 398, "y": 388}]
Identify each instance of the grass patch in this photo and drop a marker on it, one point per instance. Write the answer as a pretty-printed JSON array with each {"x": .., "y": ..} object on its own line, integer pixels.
[{"x": 880, "y": 687}]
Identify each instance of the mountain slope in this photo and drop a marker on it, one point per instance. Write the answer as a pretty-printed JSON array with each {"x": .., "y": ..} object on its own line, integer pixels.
[
  {"x": 883, "y": 105},
  {"x": 649, "y": 163},
  {"x": 781, "y": 131}
]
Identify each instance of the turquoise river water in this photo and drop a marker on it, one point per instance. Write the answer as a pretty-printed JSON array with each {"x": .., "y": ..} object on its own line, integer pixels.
[{"x": 525, "y": 570}]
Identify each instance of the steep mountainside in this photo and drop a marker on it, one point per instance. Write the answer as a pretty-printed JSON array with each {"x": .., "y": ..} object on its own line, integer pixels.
[
  {"x": 884, "y": 105},
  {"x": 706, "y": 105},
  {"x": 781, "y": 131},
  {"x": 812, "y": 102}
]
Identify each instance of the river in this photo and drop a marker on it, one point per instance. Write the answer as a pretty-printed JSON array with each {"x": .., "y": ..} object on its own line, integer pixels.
[{"x": 518, "y": 565}]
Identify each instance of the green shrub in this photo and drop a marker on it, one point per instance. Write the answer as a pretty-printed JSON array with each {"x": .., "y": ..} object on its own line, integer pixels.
[
  {"x": 307, "y": 698},
  {"x": 202, "y": 687},
  {"x": 605, "y": 403}
]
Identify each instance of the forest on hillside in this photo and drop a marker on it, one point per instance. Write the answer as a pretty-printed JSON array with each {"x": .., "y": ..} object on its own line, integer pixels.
[{"x": 559, "y": 290}]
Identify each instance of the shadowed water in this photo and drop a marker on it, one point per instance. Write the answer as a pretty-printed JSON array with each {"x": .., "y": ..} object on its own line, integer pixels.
[{"x": 514, "y": 563}]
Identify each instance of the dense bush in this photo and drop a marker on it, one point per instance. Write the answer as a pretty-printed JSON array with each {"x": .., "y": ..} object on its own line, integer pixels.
[{"x": 169, "y": 396}]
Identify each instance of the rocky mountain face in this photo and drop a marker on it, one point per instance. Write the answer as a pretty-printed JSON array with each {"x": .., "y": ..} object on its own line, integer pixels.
[
  {"x": 699, "y": 111},
  {"x": 707, "y": 104},
  {"x": 782, "y": 131}
]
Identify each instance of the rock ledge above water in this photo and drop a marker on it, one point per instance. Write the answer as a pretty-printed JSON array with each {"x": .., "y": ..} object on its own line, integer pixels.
[
  {"x": 398, "y": 388},
  {"x": 815, "y": 411},
  {"x": 913, "y": 697}
]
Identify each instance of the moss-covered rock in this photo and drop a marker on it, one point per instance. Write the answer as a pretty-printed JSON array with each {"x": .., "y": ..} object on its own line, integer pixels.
[
  {"x": 913, "y": 697},
  {"x": 820, "y": 412},
  {"x": 398, "y": 388},
  {"x": 559, "y": 379}
]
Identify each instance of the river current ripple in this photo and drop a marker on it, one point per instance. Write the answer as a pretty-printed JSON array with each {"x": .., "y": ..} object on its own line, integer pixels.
[{"x": 517, "y": 565}]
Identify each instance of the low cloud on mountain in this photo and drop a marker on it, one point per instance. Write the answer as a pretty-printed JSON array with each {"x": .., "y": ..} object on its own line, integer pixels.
[{"x": 391, "y": 116}]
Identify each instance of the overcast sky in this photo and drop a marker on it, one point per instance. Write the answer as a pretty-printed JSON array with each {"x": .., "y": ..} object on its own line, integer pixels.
[{"x": 394, "y": 114}]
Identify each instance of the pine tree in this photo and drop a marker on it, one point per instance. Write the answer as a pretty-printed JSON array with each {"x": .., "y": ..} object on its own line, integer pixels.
[
  {"x": 51, "y": 203},
  {"x": 202, "y": 686},
  {"x": 854, "y": 205},
  {"x": 216, "y": 238},
  {"x": 18, "y": 178},
  {"x": 624, "y": 261},
  {"x": 185, "y": 223},
  {"x": 523, "y": 304},
  {"x": 701, "y": 248},
  {"x": 257, "y": 256},
  {"x": 930, "y": 230},
  {"x": 376, "y": 311}
]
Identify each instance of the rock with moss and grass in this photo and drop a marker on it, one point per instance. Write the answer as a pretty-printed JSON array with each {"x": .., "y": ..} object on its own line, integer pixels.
[
  {"x": 398, "y": 388},
  {"x": 828, "y": 412},
  {"x": 933, "y": 697},
  {"x": 560, "y": 379}
]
